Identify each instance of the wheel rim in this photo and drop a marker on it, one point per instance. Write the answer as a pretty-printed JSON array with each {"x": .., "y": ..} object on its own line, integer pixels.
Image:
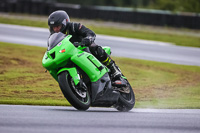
[{"x": 80, "y": 93}]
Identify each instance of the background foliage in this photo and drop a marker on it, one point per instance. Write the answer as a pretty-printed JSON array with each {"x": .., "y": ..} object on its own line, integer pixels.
[{"x": 172, "y": 5}]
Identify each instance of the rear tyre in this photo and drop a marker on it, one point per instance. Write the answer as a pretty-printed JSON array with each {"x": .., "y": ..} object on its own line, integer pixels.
[
  {"x": 78, "y": 98},
  {"x": 126, "y": 100}
]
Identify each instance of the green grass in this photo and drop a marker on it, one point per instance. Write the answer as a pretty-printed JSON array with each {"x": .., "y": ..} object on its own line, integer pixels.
[
  {"x": 182, "y": 40},
  {"x": 156, "y": 85},
  {"x": 24, "y": 22}
]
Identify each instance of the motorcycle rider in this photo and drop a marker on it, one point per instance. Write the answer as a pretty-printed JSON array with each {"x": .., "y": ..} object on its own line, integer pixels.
[{"x": 59, "y": 21}]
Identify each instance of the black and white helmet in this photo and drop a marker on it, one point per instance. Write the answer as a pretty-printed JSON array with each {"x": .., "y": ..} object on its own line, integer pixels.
[{"x": 57, "y": 18}]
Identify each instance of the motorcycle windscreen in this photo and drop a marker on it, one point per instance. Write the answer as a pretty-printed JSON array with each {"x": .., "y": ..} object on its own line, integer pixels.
[{"x": 54, "y": 39}]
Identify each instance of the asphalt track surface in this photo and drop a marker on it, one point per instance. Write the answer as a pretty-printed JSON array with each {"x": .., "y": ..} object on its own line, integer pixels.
[
  {"x": 56, "y": 119},
  {"x": 123, "y": 47}
]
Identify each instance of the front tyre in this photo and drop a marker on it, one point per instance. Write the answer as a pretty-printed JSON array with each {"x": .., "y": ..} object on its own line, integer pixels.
[{"x": 78, "y": 98}]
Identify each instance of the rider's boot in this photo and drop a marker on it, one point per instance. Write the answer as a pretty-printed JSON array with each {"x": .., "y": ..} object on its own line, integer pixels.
[{"x": 116, "y": 73}]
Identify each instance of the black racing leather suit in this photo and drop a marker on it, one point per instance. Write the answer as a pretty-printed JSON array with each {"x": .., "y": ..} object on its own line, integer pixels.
[{"x": 80, "y": 33}]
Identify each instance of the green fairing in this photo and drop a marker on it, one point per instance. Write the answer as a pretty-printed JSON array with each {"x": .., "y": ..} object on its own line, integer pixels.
[
  {"x": 55, "y": 61},
  {"x": 60, "y": 59},
  {"x": 90, "y": 65},
  {"x": 107, "y": 49},
  {"x": 54, "y": 74}
]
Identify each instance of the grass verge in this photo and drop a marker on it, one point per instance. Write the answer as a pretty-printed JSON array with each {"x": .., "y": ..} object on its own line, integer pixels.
[
  {"x": 177, "y": 39},
  {"x": 156, "y": 85}
]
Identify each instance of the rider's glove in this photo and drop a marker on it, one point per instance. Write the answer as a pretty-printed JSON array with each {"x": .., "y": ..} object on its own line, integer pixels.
[{"x": 87, "y": 41}]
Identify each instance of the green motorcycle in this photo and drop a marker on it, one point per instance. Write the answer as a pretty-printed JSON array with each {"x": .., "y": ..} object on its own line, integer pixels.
[{"x": 82, "y": 78}]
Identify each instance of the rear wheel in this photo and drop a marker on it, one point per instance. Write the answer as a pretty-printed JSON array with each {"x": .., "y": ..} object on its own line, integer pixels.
[
  {"x": 77, "y": 97},
  {"x": 126, "y": 100}
]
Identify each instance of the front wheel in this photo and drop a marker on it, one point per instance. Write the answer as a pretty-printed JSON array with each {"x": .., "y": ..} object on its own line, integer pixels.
[{"x": 78, "y": 98}]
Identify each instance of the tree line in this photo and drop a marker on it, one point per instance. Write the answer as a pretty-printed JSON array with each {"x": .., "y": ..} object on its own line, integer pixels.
[{"x": 171, "y": 5}]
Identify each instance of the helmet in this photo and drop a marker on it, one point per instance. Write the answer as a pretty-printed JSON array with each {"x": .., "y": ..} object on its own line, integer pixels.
[{"x": 58, "y": 18}]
